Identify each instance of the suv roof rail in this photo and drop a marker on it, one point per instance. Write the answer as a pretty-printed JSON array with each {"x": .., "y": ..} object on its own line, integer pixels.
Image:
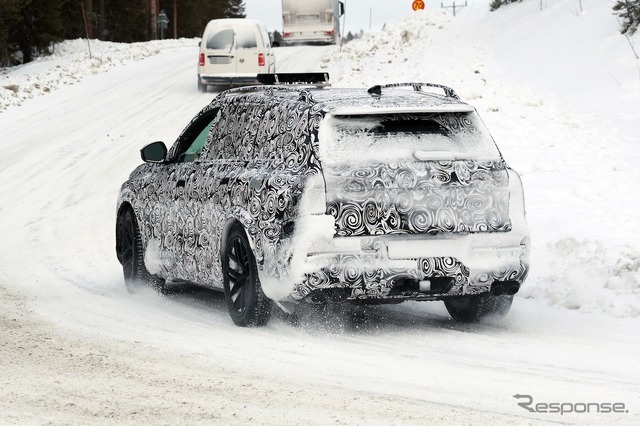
[
  {"x": 448, "y": 91},
  {"x": 320, "y": 79}
]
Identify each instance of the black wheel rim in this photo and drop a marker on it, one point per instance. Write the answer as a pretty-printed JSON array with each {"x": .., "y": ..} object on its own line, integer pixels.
[
  {"x": 239, "y": 274},
  {"x": 128, "y": 247}
]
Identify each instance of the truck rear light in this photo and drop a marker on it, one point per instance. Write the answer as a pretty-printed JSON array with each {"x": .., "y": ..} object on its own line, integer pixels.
[
  {"x": 286, "y": 34},
  {"x": 332, "y": 32},
  {"x": 261, "y": 59},
  {"x": 201, "y": 61}
]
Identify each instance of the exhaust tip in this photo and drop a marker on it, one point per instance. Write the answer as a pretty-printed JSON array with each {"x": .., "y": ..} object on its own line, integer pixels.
[
  {"x": 513, "y": 289},
  {"x": 498, "y": 289}
]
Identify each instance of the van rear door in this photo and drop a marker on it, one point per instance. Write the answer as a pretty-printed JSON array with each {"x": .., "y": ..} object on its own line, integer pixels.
[
  {"x": 247, "y": 52},
  {"x": 220, "y": 51}
]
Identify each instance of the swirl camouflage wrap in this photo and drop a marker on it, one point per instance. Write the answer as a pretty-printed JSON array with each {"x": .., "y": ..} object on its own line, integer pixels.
[{"x": 254, "y": 155}]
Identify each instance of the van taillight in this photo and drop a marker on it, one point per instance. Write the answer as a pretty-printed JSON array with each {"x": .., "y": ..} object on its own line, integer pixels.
[
  {"x": 261, "y": 59},
  {"x": 201, "y": 61},
  {"x": 286, "y": 34},
  {"x": 332, "y": 32}
]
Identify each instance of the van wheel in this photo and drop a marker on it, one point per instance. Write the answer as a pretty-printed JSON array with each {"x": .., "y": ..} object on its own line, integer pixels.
[
  {"x": 202, "y": 87},
  {"x": 475, "y": 308},
  {"x": 131, "y": 255},
  {"x": 247, "y": 304}
]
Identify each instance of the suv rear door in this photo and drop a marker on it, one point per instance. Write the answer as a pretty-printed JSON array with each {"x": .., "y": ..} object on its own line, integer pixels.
[{"x": 413, "y": 173}]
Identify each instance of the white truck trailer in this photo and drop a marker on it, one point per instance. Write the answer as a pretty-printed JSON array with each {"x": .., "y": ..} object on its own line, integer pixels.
[{"x": 311, "y": 21}]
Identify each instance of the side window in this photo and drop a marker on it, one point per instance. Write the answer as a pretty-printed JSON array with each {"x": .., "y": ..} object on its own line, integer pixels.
[
  {"x": 193, "y": 139},
  {"x": 265, "y": 37}
]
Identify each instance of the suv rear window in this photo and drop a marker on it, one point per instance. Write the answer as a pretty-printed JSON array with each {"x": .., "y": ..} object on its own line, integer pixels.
[{"x": 394, "y": 137}]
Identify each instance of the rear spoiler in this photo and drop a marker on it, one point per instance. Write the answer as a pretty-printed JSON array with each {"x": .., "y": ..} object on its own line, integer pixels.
[{"x": 320, "y": 79}]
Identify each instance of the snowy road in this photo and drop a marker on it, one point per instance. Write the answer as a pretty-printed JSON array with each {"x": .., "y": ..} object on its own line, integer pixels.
[{"x": 77, "y": 348}]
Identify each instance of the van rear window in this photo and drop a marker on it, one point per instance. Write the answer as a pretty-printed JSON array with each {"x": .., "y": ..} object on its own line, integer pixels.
[
  {"x": 244, "y": 37},
  {"x": 221, "y": 40}
]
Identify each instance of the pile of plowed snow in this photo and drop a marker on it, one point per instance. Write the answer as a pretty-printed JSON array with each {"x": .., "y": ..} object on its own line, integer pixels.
[{"x": 70, "y": 62}]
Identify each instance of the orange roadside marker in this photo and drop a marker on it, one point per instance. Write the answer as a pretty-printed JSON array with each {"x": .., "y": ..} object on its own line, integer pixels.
[{"x": 418, "y": 5}]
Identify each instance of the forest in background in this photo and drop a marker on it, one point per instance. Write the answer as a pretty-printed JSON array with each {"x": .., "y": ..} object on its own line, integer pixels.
[{"x": 28, "y": 28}]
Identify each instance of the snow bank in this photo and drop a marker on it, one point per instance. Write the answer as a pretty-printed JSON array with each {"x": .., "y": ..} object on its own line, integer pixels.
[
  {"x": 591, "y": 276},
  {"x": 70, "y": 63}
]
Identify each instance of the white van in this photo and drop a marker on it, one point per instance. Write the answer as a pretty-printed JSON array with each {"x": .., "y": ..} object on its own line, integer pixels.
[{"x": 233, "y": 52}]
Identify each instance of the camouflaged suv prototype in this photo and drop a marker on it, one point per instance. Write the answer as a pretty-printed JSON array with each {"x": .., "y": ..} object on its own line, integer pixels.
[{"x": 289, "y": 194}]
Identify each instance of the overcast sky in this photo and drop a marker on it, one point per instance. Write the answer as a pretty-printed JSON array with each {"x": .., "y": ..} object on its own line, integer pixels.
[{"x": 357, "y": 12}]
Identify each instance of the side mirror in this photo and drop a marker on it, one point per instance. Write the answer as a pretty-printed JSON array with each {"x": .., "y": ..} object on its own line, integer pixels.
[
  {"x": 155, "y": 152},
  {"x": 341, "y": 8},
  {"x": 199, "y": 43}
]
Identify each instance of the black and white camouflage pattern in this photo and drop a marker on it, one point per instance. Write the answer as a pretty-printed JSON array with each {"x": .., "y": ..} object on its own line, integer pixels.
[{"x": 254, "y": 168}]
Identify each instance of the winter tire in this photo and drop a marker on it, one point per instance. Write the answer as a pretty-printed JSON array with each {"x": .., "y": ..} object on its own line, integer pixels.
[
  {"x": 475, "y": 308},
  {"x": 131, "y": 255},
  {"x": 248, "y": 306}
]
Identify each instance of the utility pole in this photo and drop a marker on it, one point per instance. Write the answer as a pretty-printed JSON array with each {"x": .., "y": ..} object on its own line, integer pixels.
[
  {"x": 101, "y": 21},
  {"x": 154, "y": 16},
  {"x": 88, "y": 9},
  {"x": 454, "y": 6},
  {"x": 175, "y": 19}
]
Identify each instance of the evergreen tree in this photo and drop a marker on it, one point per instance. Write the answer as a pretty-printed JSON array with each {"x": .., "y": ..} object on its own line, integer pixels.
[
  {"x": 73, "y": 25},
  {"x": 128, "y": 20},
  {"x": 235, "y": 9},
  {"x": 9, "y": 16},
  {"x": 276, "y": 38},
  {"x": 495, "y": 4},
  {"x": 193, "y": 16},
  {"x": 38, "y": 25},
  {"x": 629, "y": 12}
]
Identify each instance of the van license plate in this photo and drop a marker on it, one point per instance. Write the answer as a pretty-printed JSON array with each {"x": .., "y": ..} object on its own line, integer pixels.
[{"x": 220, "y": 60}]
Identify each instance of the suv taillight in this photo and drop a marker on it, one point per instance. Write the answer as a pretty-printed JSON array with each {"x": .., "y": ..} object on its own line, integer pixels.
[
  {"x": 261, "y": 59},
  {"x": 201, "y": 61}
]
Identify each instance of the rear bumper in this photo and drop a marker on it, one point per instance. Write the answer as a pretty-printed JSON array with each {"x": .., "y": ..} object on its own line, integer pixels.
[
  {"x": 387, "y": 269},
  {"x": 391, "y": 268},
  {"x": 394, "y": 268},
  {"x": 309, "y": 38},
  {"x": 228, "y": 80}
]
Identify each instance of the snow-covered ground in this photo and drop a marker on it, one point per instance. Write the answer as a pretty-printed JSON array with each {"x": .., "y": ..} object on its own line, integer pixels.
[{"x": 558, "y": 88}]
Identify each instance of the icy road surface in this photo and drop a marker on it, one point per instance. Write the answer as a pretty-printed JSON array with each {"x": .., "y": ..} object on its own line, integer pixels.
[{"x": 77, "y": 348}]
